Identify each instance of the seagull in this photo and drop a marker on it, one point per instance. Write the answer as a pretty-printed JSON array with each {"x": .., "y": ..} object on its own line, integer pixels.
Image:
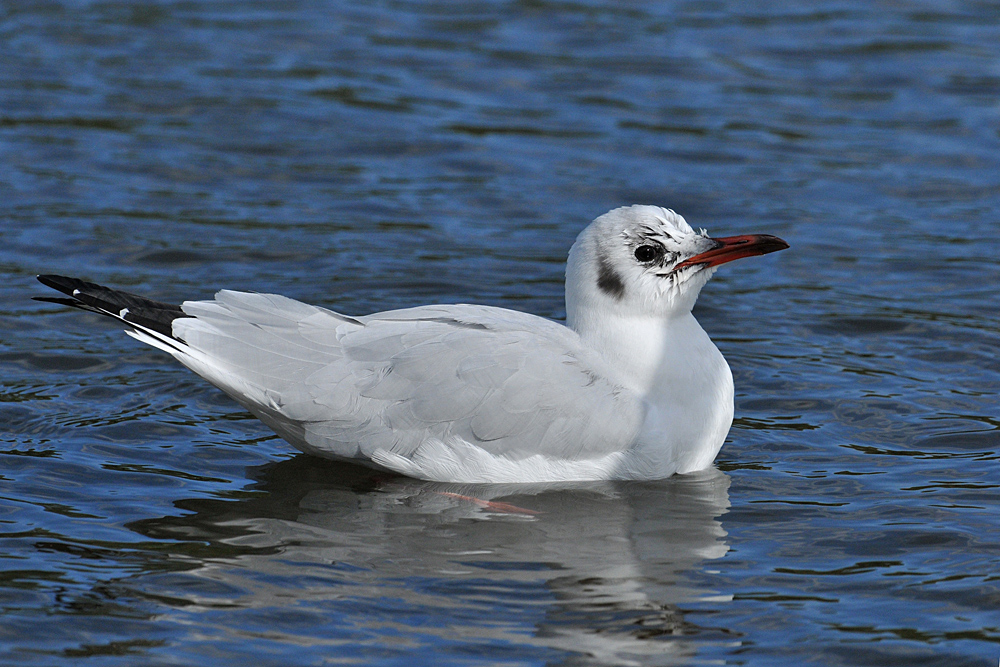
[{"x": 631, "y": 387}]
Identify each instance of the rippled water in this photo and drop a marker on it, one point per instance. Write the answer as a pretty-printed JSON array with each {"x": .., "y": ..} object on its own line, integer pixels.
[{"x": 365, "y": 156}]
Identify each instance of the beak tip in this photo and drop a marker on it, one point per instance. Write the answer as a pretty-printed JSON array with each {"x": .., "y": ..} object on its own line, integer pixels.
[{"x": 778, "y": 244}]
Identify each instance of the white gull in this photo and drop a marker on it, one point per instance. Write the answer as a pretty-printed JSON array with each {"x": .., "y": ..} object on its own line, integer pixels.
[{"x": 630, "y": 388}]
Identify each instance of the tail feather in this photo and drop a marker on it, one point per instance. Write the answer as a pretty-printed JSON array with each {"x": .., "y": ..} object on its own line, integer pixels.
[{"x": 129, "y": 308}]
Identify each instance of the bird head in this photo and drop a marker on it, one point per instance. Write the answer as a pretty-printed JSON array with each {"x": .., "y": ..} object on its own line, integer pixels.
[{"x": 647, "y": 260}]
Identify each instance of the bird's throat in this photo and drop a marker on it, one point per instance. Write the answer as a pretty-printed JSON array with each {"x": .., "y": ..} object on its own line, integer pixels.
[{"x": 645, "y": 353}]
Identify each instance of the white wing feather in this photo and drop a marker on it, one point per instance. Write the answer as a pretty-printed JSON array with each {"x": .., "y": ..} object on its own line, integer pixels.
[{"x": 505, "y": 384}]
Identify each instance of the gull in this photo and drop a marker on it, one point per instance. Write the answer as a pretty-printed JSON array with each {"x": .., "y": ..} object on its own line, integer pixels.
[{"x": 631, "y": 387}]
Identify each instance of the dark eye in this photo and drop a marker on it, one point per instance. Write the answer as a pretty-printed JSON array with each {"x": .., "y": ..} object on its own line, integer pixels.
[{"x": 647, "y": 253}]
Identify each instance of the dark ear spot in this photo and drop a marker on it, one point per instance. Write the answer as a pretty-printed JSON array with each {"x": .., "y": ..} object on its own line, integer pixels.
[{"x": 608, "y": 279}]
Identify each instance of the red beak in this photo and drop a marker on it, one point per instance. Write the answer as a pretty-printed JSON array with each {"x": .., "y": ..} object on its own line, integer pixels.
[{"x": 735, "y": 247}]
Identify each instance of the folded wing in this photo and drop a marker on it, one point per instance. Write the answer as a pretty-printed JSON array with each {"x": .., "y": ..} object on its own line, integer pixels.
[{"x": 512, "y": 384}]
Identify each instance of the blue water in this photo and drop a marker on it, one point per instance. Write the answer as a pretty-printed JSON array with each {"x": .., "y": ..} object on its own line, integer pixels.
[{"x": 366, "y": 156}]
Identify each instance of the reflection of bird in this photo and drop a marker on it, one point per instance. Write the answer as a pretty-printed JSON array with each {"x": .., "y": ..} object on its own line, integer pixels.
[
  {"x": 603, "y": 573},
  {"x": 632, "y": 388}
]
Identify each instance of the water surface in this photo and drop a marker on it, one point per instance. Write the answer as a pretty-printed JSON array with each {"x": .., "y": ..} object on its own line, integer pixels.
[{"x": 366, "y": 156}]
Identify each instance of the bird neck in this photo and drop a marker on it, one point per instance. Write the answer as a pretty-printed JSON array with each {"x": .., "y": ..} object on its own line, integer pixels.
[{"x": 645, "y": 352}]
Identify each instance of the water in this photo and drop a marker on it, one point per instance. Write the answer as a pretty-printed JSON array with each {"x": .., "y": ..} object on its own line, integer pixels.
[{"x": 366, "y": 156}]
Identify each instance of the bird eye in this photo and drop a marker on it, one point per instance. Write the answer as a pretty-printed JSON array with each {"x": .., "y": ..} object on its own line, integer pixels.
[{"x": 647, "y": 253}]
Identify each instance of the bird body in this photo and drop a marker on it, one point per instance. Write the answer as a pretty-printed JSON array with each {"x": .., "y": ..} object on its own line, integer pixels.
[{"x": 631, "y": 388}]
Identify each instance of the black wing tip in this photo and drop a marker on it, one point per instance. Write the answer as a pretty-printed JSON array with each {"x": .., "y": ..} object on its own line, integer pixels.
[
  {"x": 132, "y": 309},
  {"x": 55, "y": 299},
  {"x": 63, "y": 284},
  {"x": 52, "y": 280}
]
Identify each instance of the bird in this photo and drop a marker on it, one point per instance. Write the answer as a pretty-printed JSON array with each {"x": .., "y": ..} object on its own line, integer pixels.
[{"x": 631, "y": 387}]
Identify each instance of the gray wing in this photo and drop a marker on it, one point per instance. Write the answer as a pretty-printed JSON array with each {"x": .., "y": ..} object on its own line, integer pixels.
[{"x": 510, "y": 383}]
